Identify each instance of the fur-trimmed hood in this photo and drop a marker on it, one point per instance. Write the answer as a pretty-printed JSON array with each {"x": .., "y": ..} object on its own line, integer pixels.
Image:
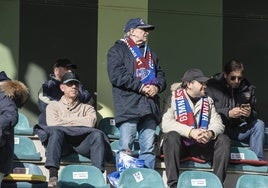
[{"x": 16, "y": 90}]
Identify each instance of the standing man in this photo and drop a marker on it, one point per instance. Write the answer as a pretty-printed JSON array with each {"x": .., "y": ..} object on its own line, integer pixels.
[
  {"x": 235, "y": 101},
  {"x": 192, "y": 127},
  {"x": 136, "y": 78},
  {"x": 70, "y": 128}
]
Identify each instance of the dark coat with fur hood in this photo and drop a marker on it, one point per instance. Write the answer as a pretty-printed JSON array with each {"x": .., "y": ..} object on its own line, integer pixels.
[{"x": 13, "y": 94}]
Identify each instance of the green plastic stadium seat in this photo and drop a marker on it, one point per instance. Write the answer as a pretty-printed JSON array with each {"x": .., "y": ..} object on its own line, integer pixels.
[
  {"x": 25, "y": 149},
  {"x": 75, "y": 157},
  {"x": 140, "y": 177},
  {"x": 200, "y": 179},
  {"x": 251, "y": 180},
  {"x": 81, "y": 176},
  {"x": 244, "y": 159},
  {"x": 107, "y": 125},
  {"x": 23, "y": 127}
]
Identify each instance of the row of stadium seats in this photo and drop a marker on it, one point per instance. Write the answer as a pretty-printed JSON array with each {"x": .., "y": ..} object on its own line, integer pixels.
[
  {"x": 25, "y": 150},
  {"x": 30, "y": 176},
  {"x": 242, "y": 159}
]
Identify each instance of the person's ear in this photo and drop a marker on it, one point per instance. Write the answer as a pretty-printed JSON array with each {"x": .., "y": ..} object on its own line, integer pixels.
[
  {"x": 225, "y": 75},
  {"x": 62, "y": 87},
  {"x": 131, "y": 31}
]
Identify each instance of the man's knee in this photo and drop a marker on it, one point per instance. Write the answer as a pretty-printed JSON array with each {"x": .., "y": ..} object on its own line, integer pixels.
[
  {"x": 56, "y": 136},
  {"x": 259, "y": 125},
  {"x": 171, "y": 137},
  {"x": 96, "y": 137}
]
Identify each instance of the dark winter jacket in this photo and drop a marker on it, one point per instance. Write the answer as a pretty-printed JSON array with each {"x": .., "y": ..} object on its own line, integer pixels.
[
  {"x": 129, "y": 103},
  {"x": 13, "y": 94},
  {"x": 226, "y": 98}
]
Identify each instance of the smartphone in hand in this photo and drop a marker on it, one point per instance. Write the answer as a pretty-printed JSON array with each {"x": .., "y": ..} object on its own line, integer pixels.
[{"x": 245, "y": 105}]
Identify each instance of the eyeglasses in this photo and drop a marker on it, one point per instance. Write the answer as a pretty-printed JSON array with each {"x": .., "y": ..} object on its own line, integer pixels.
[
  {"x": 70, "y": 84},
  {"x": 233, "y": 78}
]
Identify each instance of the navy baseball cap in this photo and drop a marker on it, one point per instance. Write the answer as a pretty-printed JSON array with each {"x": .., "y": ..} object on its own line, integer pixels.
[
  {"x": 68, "y": 77},
  {"x": 137, "y": 23}
]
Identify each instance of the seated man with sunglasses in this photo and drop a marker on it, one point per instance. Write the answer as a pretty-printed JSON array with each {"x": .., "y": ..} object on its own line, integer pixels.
[
  {"x": 71, "y": 129},
  {"x": 235, "y": 101}
]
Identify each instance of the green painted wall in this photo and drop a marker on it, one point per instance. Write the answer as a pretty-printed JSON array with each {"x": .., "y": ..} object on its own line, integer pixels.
[
  {"x": 56, "y": 29},
  {"x": 9, "y": 37},
  {"x": 188, "y": 34},
  {"x": 245, "y": 37}
]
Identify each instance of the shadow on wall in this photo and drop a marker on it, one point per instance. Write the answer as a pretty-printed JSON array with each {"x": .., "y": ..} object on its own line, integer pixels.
[
  {"x": 33, "y": 76},
  {"x": 30, "y": 78}
]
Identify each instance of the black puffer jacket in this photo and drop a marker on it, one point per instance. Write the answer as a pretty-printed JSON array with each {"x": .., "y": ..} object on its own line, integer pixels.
[
  {"x": 226, "y": 98},
  {"x": 129, "y": 103},
  {"x": 13, "y": 94}
]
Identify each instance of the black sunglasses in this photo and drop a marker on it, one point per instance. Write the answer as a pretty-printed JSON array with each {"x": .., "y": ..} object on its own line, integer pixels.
[
  {"x": 236, "y": 77},
  {"x": 71, "y": 83}
]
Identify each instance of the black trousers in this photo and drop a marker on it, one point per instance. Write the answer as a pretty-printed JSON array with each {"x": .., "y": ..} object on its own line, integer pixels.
[
  {"x": 91, "y": 145},
  {"x": 217, "y": 150}
]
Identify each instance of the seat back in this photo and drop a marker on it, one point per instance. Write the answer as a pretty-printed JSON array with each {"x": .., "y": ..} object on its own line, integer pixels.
[
  {"x": 107, "y": 125},
  {"x": 75, "y": 158},
  {"x": 243, "y": 153},
  {"x": 114, "y": 146},
  {"x": 25, "y": 149},
  {"x": 140, "y": 177},
  {"x": 239, "y": 143},
  {"x": 23, "y": 127},
  {"x": 82, "y": 176},
  {"x": 244, "y": 159},
  {"x": 28, "y": 168},
  {"x": 251, "y": 180},
  {"x": 200, "y": 179}
]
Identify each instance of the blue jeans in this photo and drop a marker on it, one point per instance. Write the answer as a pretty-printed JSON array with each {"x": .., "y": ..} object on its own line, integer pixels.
[
  {"x": 252, "y": 133},
  {"x": 146, "y": 130}
]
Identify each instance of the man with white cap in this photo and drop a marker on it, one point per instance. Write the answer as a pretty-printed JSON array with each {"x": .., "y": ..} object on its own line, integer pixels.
[
  {"x": 136, "y": 78},
  {"x": 192, "y": 128}
]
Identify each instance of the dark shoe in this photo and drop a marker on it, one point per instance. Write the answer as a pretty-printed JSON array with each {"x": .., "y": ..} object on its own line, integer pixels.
[{"x": 53, "y": 182}]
